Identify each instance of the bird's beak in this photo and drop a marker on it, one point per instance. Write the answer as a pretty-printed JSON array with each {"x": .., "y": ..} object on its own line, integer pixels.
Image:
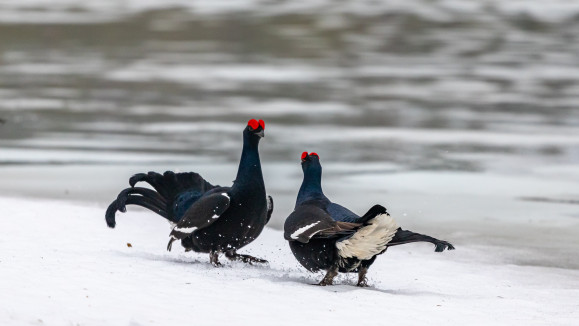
[{"x": 261, "y": 134}]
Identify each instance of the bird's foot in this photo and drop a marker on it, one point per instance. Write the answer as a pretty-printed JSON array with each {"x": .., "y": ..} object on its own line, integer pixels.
[
  {"x": 329, "y": 278},
  {"x": 214, "y": 259},
  {"x": 325, "y": 282},
  {"x": 232, "y": 255},
  {"x": 363, "y": 283},
  {"x": 362, "y": 280}
]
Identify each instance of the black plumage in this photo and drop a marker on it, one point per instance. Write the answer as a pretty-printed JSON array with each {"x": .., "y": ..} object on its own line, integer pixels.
[
  {"x": 326, "y": 236},
  {"x": 207, "y": 218}
]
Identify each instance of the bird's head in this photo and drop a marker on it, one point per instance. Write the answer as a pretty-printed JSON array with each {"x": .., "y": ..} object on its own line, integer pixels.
[
  {"x": 310, "y": 160},
  {"x": 255, "y": 129}
]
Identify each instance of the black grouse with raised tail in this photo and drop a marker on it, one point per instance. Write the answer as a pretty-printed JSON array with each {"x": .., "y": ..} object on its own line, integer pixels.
[
  {"x": 326, "y": 236},
  {"x": 207, "y": 218}
]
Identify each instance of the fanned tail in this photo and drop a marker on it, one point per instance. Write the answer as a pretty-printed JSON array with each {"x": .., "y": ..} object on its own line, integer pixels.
[
  {"x": 170, "y": 184},
  {"x": 167, "y": 188}
]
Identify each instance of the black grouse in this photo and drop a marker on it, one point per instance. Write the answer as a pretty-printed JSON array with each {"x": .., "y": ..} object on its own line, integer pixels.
[
  {"x": 207, "y": 218},
  {"x": 326, "y": 236}
]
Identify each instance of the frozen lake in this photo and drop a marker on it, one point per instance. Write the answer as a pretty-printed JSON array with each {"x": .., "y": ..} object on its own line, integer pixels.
[{"x": 461, "y": 117}]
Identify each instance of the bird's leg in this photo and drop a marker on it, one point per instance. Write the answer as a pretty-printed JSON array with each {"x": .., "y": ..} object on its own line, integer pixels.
[
  {"x": 170, "y": 244},
  {"x": 233, "y": 255},
  {"x": 362, "y": 280},
  {"x": 214, "y": 258},
  {"x": 187, "y": 243},
  {"x": 329, "y": 278}
]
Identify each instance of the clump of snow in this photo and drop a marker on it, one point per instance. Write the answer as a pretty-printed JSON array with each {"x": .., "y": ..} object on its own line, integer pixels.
[{"x": 61, "y": 265}]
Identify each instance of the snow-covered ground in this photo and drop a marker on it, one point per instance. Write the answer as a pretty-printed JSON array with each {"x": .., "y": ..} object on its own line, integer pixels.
[{"x": 60, "y": 265}]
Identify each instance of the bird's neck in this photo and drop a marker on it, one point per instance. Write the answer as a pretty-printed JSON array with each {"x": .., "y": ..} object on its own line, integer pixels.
[
  {"x": 311, "y": 186},
  {"x": 249, "y": 175}
]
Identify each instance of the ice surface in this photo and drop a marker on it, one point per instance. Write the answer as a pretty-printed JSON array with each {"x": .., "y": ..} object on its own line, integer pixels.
[{"x": 554, "y": 10}]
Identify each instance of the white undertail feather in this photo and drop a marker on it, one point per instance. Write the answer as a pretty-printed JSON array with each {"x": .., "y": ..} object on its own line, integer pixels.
[{"x": 369, "y": 240}]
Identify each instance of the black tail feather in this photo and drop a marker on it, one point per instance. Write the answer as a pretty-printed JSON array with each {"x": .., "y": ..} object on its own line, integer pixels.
[
  {"x": 144, "y": 202},
  {"x": 133, "y": 200},
  {"x": 167, "y": 186},
  {"x": 155, "y": 180},
  {"x": 405, "y": 236},
  {"x": 373, "y": 212},
  {"x": 151, "y": 195},
  {"x": 441, "y": 245},
  {"x": 110, "y": 214}
]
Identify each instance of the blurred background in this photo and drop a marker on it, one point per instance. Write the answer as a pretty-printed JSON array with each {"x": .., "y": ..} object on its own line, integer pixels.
[{"x": 459, "y": 116}]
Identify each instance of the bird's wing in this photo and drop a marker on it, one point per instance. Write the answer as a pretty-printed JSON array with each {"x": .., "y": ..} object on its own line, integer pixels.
[
  {"x": 201, "y": 214},
  {"x": 185, "y": 200},
  {"x": 269, "y": 208},
  {"x": 308, "y": 221},
  {"x": 341, "y": 213}
]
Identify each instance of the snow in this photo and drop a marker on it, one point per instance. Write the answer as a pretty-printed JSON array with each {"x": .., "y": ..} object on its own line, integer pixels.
[{"x": 61, "y": 265}]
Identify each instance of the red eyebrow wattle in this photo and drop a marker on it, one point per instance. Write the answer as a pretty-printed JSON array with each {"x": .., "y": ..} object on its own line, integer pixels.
[
  {"x": 262, "y": 124},
  {"x": 304, "y": 154},
  {"x": 314, "y": 153},
  {"x": 253, "y": 124}
]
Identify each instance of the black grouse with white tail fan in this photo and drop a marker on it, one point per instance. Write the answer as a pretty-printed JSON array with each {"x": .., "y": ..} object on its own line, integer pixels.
[
  {"x": 326, "y": 236},
  {"x": 207, "y": 218}
]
